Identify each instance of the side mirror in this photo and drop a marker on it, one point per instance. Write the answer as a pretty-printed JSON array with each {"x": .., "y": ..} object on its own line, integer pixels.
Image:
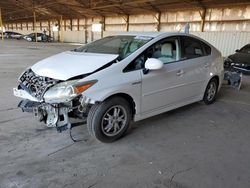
[
  {"x": 153, "y": 64},
  {"x": 237, "y": 50}
]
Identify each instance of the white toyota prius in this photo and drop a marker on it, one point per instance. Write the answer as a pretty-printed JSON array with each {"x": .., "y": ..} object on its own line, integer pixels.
[{"x": 118, "y": 79}]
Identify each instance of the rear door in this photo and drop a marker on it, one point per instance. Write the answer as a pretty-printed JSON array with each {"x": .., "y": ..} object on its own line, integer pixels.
[{"x": 197, "y": 62}]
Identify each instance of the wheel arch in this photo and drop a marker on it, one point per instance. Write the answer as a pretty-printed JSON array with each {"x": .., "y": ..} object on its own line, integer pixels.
[
  {"x": 128, "y": 98},
  {"x": 217, "y": 79},
  {"x": 212, "y": 77}
]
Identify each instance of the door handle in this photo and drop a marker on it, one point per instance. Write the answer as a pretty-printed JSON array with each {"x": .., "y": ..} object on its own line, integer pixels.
[{"x": 180, "y": 72}]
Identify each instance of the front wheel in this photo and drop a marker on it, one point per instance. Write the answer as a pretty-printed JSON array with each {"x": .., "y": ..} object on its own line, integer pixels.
[
  {"x": 211, "y": 91},
  {"x": 109, "y": 120}
]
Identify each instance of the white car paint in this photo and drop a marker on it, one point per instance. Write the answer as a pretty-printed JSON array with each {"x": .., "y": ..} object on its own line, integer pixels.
[
  {"x": 75, "y": 63},
  {"x": 149, "y": 96},
  {"x": 153, "y": 64},
  {"x": 174, "y": 85}
]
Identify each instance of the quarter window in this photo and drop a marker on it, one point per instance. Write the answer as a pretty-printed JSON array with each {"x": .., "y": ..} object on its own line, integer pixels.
[{"x": 207, "y": 48}]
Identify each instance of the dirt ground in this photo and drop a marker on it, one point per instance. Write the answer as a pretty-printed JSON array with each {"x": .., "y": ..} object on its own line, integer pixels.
[{"x": 196, "y": 146}]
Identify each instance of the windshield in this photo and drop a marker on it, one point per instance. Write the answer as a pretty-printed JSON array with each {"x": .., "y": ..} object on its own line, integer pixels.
[
  {"x": 245, "y": 49},
  {"x": 120, "y": 45}
]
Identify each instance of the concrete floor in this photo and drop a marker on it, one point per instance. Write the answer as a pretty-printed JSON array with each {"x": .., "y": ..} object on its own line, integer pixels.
[{"x": 196, "y": 146}]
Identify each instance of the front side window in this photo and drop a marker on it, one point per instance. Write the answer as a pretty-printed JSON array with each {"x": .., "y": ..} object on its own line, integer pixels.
[
  {"x": 166, "y": 50},
  {"x": 191, "y": 48},
  {"x": 120, "y": 45}
]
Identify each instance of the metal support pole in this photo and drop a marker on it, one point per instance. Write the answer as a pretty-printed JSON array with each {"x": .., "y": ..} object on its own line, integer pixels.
[
  {"x": 86, "y": 30},
  {"x": 103, "y": 26},
  {"x": 1, "y": 23},
  {"x": 71, "y": 24},
  {"x": 78, "y": 27},
  {"x": 34, "y": 15},
  {"x": 41, "y": 27},
  {"x": 61, "y": 29},
  {"x": 92, "y": 33},
  {"x": 49, "y": 28}
]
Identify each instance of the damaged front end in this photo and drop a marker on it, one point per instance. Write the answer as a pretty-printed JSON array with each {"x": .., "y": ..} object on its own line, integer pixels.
[{"x": 54, "y": 102}]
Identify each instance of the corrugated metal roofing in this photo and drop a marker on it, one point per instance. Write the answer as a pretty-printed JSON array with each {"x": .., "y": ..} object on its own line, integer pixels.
[{"x": 22, "y": 10}]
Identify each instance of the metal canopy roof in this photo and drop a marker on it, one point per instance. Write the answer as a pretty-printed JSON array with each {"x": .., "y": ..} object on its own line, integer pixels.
[{"x": 22, "y": 10}]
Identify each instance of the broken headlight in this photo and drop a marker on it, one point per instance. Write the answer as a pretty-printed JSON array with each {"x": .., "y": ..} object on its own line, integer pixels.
[{"x": 66, "y": 91}]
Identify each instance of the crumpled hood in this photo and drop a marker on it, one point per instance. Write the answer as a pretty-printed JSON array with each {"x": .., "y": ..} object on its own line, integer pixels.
[{"x": 70, "y": 64}]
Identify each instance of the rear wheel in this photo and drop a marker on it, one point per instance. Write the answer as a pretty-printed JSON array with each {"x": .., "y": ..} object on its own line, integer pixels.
[
  {"x": 211, "y": 91},
  {"x": 109, "y": 120}
]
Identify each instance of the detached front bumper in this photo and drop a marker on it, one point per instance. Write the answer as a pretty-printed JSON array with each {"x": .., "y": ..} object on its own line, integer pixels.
[
  {"x": 56, "y": 115},
  {"x": 52, "y": 115}
]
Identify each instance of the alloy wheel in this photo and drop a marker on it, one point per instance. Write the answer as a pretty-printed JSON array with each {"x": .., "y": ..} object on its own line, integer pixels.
[{"x": 114, "y": 120}]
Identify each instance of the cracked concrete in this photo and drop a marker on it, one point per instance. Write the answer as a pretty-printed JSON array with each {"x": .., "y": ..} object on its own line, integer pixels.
[{"x": 191, "y": 147}]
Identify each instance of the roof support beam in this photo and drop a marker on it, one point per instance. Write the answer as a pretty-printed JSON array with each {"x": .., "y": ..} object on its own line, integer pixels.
[
  {"x": 126, "y": 19},
  {"x": 203, "y": 18},
  {"x": 158, "y": 21}
]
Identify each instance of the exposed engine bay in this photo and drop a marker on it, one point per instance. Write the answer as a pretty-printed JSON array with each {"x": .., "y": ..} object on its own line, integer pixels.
[
  {"x": 35, "y": 85},
  {"x": 53, "y": 115}
]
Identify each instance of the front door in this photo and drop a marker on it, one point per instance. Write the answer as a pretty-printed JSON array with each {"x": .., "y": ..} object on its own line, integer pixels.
[{"x": 164, "y": 87}]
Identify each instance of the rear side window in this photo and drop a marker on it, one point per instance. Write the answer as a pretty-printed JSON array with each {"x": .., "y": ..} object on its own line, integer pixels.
[{"x": 192, "y": 48}]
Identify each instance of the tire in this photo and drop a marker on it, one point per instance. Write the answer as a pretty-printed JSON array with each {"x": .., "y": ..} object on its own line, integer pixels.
[
  {"x": 211, "y": 91},
  {"x": 109, "y": 120}
]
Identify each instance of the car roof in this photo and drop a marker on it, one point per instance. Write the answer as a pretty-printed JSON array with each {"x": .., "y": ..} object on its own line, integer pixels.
[
  {"x": 156, "y": 34},
  {"x": 164, "y": 34},
  {"x": 148, "y": 34}
]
